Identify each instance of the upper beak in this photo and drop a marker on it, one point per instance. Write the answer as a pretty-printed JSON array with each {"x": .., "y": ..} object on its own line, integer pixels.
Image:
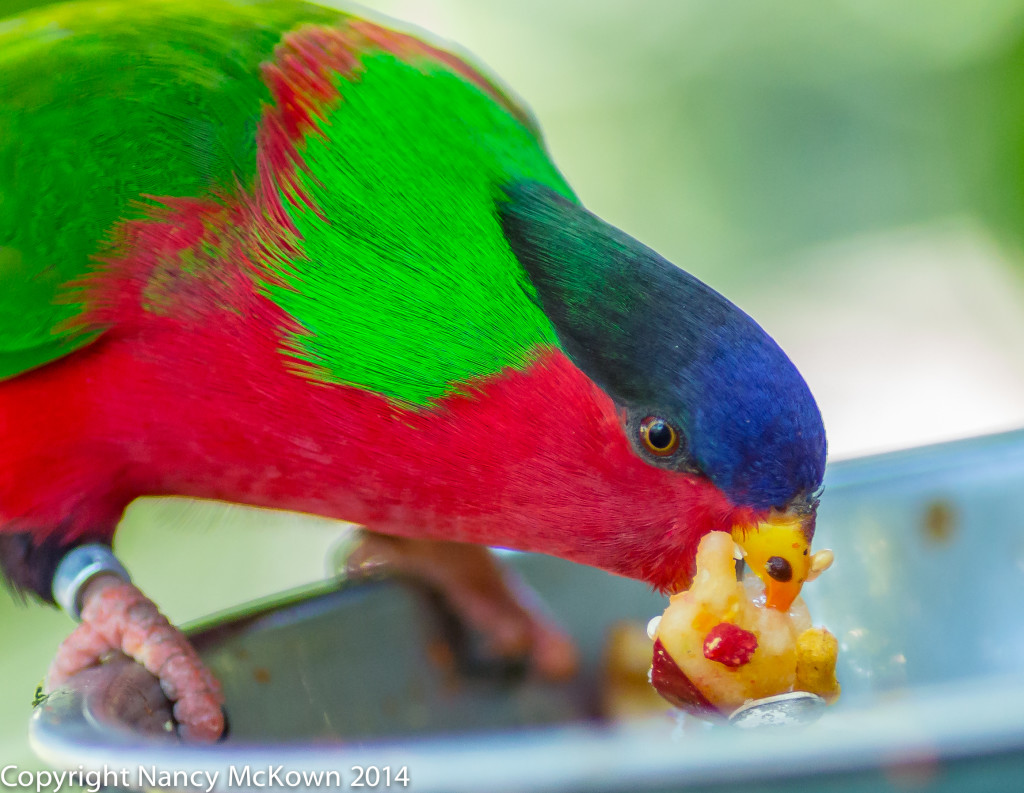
[{"x": 778, "y": 551}]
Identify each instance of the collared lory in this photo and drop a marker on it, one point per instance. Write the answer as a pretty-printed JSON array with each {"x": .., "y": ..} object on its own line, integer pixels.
[{"x": 265, "y": 252}]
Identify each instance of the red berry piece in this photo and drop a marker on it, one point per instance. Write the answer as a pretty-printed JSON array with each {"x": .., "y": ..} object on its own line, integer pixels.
[{"x": 729, "y": 644}]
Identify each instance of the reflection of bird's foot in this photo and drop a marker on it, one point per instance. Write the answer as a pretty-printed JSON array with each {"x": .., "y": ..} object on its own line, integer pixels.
[
  {"x": 117, "y": 616},
  {"x": 486, "y": 596}
]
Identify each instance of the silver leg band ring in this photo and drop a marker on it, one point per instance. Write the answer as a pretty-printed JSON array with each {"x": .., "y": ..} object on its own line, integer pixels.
[{"x": 78, "y": 567}]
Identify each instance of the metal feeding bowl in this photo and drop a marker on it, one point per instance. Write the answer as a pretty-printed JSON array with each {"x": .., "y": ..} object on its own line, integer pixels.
[{"x": 373, "y": 682}]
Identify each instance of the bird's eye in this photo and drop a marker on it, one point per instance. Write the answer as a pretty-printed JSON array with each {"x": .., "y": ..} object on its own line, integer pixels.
[{"x": 658, "y": 436}]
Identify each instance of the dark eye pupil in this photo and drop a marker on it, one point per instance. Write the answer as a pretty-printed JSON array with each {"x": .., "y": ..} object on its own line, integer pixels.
[
  {"x": 779, "y": 569},
  {"x": 660, "y": 435}
]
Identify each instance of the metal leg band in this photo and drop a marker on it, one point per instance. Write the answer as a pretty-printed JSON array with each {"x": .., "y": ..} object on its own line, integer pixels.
[{"x": 78, "y": 567}]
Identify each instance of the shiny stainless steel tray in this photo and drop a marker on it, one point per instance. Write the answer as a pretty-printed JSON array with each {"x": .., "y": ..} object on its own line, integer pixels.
[{"x": 925, "y": 596}]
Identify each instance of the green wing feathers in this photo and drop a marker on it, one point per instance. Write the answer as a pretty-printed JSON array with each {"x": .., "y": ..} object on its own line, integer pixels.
[
  {"x": 102, "y": 104},
  {"x": 437, "y": 297},
  {"x": 403, "y": 282}
]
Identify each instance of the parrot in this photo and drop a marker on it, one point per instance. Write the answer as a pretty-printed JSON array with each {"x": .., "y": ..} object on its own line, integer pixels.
[{"x": 275, "y": 254}]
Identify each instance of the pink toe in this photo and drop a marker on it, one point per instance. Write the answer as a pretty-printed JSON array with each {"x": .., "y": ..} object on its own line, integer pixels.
[{"x": 117, "y": 616}]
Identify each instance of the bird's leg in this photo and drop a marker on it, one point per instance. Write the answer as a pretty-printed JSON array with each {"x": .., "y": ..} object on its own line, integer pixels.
[
  {"x": 480, "y": 591},
  {"x": 116, "y": 616}
]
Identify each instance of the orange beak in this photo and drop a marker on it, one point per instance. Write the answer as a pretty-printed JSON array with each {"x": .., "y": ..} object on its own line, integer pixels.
[
  {"x": 778, "y": 552},
  {"x": 781, "y": 594}
]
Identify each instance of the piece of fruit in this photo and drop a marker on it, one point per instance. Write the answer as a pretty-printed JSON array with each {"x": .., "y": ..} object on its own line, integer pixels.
[
  {"x": 730, "y": 645},
  {"x": 717, "y": 646}
]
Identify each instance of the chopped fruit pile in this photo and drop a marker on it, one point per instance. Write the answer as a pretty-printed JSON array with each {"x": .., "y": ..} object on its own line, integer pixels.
[{"x": 718, "y": 646}]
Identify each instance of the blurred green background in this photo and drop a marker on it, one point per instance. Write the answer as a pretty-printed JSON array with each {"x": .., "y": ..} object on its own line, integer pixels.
[{"x": 848, "y": 171}]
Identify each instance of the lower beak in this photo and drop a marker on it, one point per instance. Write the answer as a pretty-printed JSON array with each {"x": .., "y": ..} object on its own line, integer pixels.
[{"x": 781, "y": 594}]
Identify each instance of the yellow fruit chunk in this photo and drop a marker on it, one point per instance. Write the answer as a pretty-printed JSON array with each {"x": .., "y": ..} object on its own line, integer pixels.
[{"x": 816, "y": 654}]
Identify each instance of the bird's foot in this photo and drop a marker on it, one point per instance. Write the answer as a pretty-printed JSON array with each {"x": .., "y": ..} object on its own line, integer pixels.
[
  {"x": 485, "y": 595},
  {"x": 116, "y": 616}
]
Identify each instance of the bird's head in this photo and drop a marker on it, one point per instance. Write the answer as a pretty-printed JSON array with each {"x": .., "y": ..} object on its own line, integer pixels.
[{"x": 704, "y": 391}]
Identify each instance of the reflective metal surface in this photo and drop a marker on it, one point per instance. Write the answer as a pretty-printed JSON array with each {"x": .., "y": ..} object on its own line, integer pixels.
[
  {"x": 925, "y": 597},
  {"x": 795, "y": 709}
]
